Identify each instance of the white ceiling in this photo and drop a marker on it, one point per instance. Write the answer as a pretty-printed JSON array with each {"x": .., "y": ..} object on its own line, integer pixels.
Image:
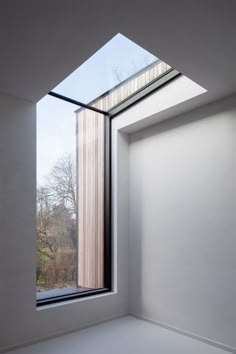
[{"x": 42, "y": 41}]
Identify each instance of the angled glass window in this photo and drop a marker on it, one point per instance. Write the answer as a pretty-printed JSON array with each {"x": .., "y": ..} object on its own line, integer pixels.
[{"x": 117, "y": 71}]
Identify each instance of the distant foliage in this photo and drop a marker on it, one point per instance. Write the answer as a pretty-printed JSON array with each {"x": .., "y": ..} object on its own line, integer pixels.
[{"x": 56, "y": 227}]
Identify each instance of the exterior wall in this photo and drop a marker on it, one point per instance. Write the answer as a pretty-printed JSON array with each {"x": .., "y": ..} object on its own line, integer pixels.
[
  {"x": 129, "y": 87},
  {"x": 90, "y": 191}
]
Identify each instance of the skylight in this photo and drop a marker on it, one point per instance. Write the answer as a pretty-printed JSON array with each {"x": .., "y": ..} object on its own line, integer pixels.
[
  {"x": 74, "y": 163},
  {"x": 114, "y": 63}
]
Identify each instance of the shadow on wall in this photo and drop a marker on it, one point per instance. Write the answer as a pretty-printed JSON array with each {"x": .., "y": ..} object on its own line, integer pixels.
[
  {"x": 224, "y": 105},
  {"x": 182, "y": 223}
]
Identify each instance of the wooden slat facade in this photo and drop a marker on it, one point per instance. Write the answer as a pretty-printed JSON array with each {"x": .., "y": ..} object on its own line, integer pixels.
[
  {"x": 90, "y": 162},
  {"x": 124, "y": 90},
  {"x": 90, "y": 181}
]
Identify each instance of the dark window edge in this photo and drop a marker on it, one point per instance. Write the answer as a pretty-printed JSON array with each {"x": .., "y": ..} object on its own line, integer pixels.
[
  {"x": 74, "y": 296},
  {"x": 143, "y": 93},
  {"x": 108, "y": 206}
]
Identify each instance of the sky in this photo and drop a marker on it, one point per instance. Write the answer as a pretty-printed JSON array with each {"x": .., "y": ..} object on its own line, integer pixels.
[{"x": 56, "y": 133}]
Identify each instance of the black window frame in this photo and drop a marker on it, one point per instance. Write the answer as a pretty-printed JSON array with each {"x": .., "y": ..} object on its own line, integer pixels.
[{"x": 61, "y": 295}]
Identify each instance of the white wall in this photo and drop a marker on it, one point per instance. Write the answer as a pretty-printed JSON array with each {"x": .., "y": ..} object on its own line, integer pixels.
[
  {"x": 20, "y": 321},
  {"x": 182, "y": 222},
  {"x": 173, "y": 98}
]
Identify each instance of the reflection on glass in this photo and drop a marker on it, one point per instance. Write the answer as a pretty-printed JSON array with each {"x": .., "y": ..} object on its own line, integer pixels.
[{"x": 118, "y": 60}]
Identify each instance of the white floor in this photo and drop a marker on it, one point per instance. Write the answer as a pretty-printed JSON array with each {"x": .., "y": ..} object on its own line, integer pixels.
[{"x": 127, "y": 335}]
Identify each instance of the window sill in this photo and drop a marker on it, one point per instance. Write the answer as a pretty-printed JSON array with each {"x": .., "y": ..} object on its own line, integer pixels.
[{"x": 85, "y": 297}]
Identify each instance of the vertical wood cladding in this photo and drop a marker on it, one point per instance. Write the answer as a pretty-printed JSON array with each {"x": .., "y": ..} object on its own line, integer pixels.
[
  {"x": 90, "y": 179},
  {"x": 90, "y": 162},
  {"x": 131, "y": 86}
]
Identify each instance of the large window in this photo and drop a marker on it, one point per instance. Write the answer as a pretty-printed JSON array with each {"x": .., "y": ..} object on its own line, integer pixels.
[
  {"x": 72, "y": 215},
  {"x": 73, "y": 167},
  {"x": 57, "y": 211}
]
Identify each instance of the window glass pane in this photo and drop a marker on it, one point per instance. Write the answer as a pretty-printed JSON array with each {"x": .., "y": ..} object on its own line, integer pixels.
[
  {"x": 56, "y": 195},
  {"x": 106, "y": 72},
  {"x": 70, "y": 199}
]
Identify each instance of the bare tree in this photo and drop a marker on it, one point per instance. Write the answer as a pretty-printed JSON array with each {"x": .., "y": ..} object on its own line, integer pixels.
[
  {"x": 135, "y": 68},
  {"x": 62, "y": 183},
  {"x": 46, "y": 243},
  {"x": 117, "y": 75},
  {"x": 56, "y": 225}
]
